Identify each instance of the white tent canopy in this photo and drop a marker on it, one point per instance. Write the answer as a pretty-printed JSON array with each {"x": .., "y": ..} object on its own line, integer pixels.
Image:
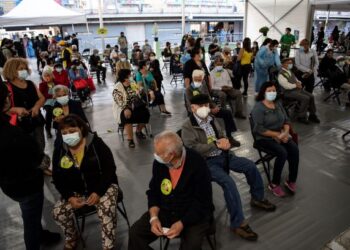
[{"x": 40, "y": 13}]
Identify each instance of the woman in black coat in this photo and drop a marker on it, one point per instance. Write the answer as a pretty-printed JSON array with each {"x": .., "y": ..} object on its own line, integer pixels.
[
  {"x": 154, "y": 67},
  {"x": 84, "y": 173}
]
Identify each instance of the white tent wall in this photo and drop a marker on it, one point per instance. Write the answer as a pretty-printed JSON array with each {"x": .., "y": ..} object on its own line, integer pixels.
[{"x": 280, "y": 14}]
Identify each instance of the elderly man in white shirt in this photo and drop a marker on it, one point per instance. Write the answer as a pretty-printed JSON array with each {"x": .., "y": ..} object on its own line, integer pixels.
[
  {"x": 306, "y": 61},
  {"x": 292, "y": 89},
  {"x": 222, "y": 88}
]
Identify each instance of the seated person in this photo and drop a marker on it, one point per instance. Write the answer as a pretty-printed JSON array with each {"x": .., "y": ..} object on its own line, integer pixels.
[
  {"x": 339, "y": 77},
  {"x": 167, "y": 53},
  {"x": 96, "y": 65},
  {"x": 123, "y": 63},
  {"x": 126, "y": 112},
  {"x": 115, "y": 54},
  {"x": 136, "y": 58},
  {"x": 75, "y": 53},
  {"x": 180, "y": 199},
  {"x": 84, "y": 173},
  {"x": 175, "y": 62},
  {"x": 199, "y": 86},
  {"x": 202, "y": 133},
  {"x": 154, "y": 67},
  {"x": 146, "y": 81},
  {"x": 65, "y": 106},
  {"x": 271, "y": 128},
  {"x": 46, "y": 88},
  {"x": 327, "y": 64},
  {"x": 226, "y": 55},
  {"x": 60, "y": 75},
  {"x": 292, "y": 89},
  {"x": 146, "y": 48},
  {"x": 222, "y": 88},
  {"x": 214, "y": 47}
]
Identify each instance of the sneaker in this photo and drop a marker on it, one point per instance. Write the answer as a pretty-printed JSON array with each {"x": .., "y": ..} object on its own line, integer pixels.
[
  {"x": 263, "y": 205},
  {"x": 245, "y": 232},
  {"x": 291, "y": 186},
  {"x": 314, "y": 119},
  {"x": 234, "y": 143},
  {"x": 166, "y": 113},
  {"x": 277, "y": 190},
  {"x": 49, "y": 238},
  {"x": 131, "y": 144}
]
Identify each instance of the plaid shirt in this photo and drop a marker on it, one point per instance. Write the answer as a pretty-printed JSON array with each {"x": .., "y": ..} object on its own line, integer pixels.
[{"x": 210, "y": 133}]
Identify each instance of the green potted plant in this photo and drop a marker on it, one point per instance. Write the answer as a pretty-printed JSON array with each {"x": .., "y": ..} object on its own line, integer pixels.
[{"x": 264, "y": 30}]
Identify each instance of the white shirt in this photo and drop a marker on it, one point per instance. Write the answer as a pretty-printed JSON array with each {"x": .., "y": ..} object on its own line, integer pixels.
[
  {"x": 304, "y": 60},
  {"x": 220, "y": 79}
]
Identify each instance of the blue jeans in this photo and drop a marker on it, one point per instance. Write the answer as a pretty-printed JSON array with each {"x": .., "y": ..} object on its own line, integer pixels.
[
  {"x": 231, "y": 194},
  {"x": 31, "y": 208}
]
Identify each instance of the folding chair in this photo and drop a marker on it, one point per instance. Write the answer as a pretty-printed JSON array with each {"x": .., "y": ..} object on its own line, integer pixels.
[
  {"x": 335, "y": 89},
  {"x": 82, "y": 213},
  {"x": 322, "y": 81},
  {"x": 344, "y": 135},
  {"x": 210, "y": 236},
  {"x": 166, "y": 63},
  {"x": 177, "y": 77},
  {"x": 265, "y": 155},
  {"x": 148, "y": 130}
]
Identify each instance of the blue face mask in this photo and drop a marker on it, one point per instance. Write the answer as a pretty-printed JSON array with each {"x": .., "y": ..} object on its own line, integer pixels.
[
  {"x": 290, "y": 66},
  {"x": 71, "y": 139},
  {"x": 302, "y": 49},
  {"x": 23, "y": 74},
  {"x": 271, "y": 96}
]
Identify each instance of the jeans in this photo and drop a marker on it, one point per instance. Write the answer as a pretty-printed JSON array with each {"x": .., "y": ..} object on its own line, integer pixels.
[
  {"x": 231, "y": 194},
  {"x": 31, "y": 208},
  {"x": 284, "y": 151},
  {"x": 230, "y": 125}
]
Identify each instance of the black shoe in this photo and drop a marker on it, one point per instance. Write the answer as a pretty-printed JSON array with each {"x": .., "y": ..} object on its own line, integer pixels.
[
  {"x": 240, "y": 115},
  {"x": 140, "y": 135},
  {"x": 245, "y": 232},
  {"x": 131, "y": 144},
  {"x": 264, "y": 205},
  {"x": 234, "y": 143},
  {"x": 303, "y": 120},
  {"x": 48, "y": 238},
  {"x": 98, "y": 81},
  {"x": 347, "y": 104},
  {"x": 314, "y": 119}
]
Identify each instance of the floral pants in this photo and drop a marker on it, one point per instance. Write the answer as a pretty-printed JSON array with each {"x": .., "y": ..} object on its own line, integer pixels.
[{"x": 63, "y": 214}]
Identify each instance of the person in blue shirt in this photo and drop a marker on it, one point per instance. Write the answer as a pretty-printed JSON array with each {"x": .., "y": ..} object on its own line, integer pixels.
[
  {"x": 145, "y": 79},
  {"x": 266, "y": 58}
]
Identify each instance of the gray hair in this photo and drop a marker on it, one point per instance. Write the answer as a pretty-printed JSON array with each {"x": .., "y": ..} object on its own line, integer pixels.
[
  {"x": 58, "y": 88},
  {"x": 172, "y": 141}
]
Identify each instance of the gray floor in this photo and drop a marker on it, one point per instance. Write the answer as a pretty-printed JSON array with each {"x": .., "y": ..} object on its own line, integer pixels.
[{"x": 314, "y": 216}]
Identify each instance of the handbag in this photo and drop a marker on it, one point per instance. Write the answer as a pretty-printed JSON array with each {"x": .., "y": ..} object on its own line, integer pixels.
[
  {"x": 80, "y": 84},
  {"x": 138, "y": 102}
]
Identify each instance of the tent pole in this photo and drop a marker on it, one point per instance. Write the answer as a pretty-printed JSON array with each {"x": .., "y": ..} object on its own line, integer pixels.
[
  {"x": 73, "y": 30},
  {"x": 100, "y": 4},
  {"x": 87, "y": 27}
]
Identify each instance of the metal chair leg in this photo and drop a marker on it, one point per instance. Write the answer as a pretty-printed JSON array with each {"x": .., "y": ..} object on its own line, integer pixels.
[
  {"x": 123, "y": 212},
  {"x": 266, "y": 167},
  {"x": 347, "y": 133},
  {"x": 80, "y": 231}
]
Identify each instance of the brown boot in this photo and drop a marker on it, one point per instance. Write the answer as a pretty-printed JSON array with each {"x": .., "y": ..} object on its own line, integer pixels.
[{"x": 245, "y": 232}]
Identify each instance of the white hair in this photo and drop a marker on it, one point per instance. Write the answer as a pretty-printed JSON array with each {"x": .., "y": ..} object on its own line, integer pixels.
[
  {"x": 172, "y": 141},
  {"x": 198, "y": 73},
  {"x": 59, "y": 88}
]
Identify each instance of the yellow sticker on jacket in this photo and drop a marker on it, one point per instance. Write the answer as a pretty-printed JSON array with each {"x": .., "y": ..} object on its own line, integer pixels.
[
  {"x": 218, "y": 74},
  {"x": 57, "y": 112},
  {"x": 210, "y": 139},
  {"x": 195, "y": 92},
  {"x": 166, "y": 187},
  {"x": 66, "y": 163}
]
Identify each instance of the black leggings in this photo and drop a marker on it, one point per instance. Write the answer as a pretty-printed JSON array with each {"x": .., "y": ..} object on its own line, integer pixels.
[
  {"x": 48, "y": 117},
  {"x": 245, "y": 71}
]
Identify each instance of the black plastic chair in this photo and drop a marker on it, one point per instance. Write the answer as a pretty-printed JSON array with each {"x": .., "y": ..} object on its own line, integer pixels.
[
  {"x": 335, "y": 88},
  {"x": 266, "y": 156},
  {"x": 82, "y": 213}
]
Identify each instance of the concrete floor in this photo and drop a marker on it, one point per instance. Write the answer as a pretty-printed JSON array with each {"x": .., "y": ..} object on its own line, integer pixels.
[{"x": 314, "y": 216}]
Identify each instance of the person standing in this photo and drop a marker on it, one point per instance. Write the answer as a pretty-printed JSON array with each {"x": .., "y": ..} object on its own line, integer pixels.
[
  {"x": 21, "y": 178},
  {"x": 319, "y": 42},
  {"x": 75, "y": 41},
  {"x": 306, "y": 61},
  {"x": 123, "y": 44},
  {"x": 245, "y": 57},
  {"x": 287, "y": 41}
]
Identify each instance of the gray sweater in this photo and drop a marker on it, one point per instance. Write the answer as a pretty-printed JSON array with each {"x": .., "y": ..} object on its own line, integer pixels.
[{"x": 268, "y": 119}]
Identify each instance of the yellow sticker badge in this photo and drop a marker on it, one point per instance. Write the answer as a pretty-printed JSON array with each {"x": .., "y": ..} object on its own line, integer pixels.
[
  {"x": 210, "y": 139},
  {"x": 196, "y": 92},
  {"x": 66, "y": 163},
  {"x": 166, "y": 187},
  {"x": 57, "y": 112},
  {"x": 218, "y": 74}
]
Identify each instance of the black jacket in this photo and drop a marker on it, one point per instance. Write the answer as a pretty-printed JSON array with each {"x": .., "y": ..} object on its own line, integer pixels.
[
  {"x": 97, "y": 170},
  {"x": 20, "y": 158},
  {"x": 191, "y": 201}
]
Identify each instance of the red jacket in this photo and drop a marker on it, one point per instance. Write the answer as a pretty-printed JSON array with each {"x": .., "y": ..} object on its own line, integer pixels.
[
  {"x": 61, "y": 78},
  {"x": 44, "y": 89}
]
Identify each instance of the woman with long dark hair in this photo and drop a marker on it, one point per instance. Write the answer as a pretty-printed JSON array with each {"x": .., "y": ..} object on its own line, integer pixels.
[{"x": 245, "y": 57}]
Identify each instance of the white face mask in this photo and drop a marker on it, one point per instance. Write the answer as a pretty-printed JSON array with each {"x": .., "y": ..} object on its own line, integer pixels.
[
  {"x": 219, "y": 68},
  {"x": 152, "y": 58},
  {"x": 71, "y": 139},
  {"x": 63, "y": 100},
  {"x": 59, "y": 70},
  {"x": 197, "y": 84},
  {"x": 23, "y": 74},
  {"x": 203, "y": 112},
  {"x": 161, "y": 161},
  {"x": 122, "y": 59},
  {"x": 178, "y": 52},
  {"x": 271, "y": 96}
]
